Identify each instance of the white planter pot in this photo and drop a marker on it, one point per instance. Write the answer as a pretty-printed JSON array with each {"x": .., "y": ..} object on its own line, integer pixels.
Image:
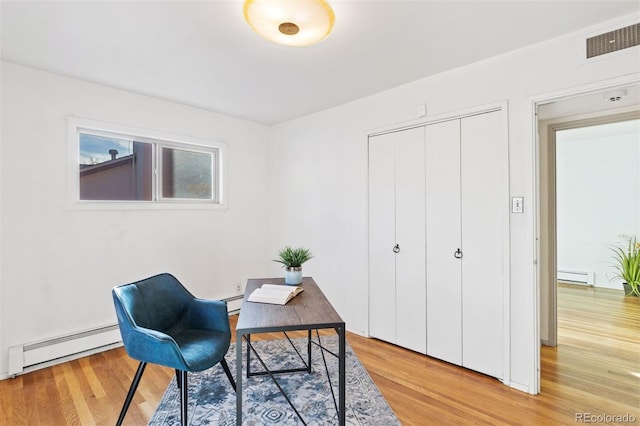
[{"x": 293, "y": 276}]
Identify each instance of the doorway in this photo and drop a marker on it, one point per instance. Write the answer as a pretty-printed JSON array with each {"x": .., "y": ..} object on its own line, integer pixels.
[{"x": 579, "y": 125}]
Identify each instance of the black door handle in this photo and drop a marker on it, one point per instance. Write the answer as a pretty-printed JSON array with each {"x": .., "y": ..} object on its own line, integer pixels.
[
  {"x": 458, "y": 254},
  {"x": 396, "y": 248}
]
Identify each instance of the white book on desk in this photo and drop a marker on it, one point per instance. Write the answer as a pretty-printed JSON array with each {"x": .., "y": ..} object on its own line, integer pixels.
[{"x": 275, "y": 294}]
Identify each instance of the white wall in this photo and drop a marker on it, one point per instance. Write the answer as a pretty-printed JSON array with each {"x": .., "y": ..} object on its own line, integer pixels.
[
  {"x": 598, "y": 182},
  {"x": 59, "y": 265},
  {"x": 318, "y": 168},
  {"x": 1, "y": 234}
]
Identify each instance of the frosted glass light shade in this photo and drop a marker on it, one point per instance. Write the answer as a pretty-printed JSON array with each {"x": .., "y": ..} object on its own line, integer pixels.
[{"x": 290, "y": 22}]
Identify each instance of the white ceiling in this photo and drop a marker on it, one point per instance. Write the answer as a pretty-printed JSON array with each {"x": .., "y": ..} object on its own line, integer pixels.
[{"x": 201, "y": 53}]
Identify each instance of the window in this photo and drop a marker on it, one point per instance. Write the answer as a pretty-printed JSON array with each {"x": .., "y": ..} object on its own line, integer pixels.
[{"x": 116, "y": 165}]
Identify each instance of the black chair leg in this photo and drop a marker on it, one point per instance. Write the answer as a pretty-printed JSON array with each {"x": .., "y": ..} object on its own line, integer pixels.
[
  {"x": 132, "y": 390},
  {"x": 225, "y": 367},
  {"x": 184, "y": 397},
  {"x": 178, "y": 379}
]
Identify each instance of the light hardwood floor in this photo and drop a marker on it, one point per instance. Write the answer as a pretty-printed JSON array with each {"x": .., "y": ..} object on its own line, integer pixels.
[{"x": 595, "y": 369}]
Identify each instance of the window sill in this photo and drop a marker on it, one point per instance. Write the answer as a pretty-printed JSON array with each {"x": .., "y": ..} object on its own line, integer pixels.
[{"x": 142, "y": 205}]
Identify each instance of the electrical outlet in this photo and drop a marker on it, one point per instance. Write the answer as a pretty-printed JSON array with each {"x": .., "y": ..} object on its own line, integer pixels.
[{"x": 238, "y": 289}]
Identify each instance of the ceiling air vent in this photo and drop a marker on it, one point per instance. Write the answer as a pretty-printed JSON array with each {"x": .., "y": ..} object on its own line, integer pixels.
[{"x": 613, "y": 41}]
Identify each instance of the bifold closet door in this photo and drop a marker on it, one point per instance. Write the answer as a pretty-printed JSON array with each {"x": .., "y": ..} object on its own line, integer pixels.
[
  {"x": 411, "y": 327},
  {"x": 484, "y": 212},
  {"x": 382, "y": 234},
  {"x": 397, "y": 238},
  {"x": 444, "y": 307}
]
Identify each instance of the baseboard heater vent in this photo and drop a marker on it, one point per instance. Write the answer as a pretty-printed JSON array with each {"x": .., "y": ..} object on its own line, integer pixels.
[
  {"x": 234, "y": 303},
  {"x": 586, "y": 278},
  {"x": 32, "y": 356},
  {"x": 622, "y": 38}
]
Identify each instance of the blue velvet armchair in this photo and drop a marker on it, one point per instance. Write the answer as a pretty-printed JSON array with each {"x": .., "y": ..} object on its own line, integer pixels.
[{"x": 162, "y": 323}]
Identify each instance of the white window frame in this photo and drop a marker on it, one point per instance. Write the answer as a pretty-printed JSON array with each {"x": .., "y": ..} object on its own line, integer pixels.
[{"x": 160, "y": 139}]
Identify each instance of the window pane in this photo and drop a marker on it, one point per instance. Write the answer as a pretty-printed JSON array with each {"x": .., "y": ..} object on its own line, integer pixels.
[
  {"x": 187, "y": 174},
  {"x": 114, "y": 169}
]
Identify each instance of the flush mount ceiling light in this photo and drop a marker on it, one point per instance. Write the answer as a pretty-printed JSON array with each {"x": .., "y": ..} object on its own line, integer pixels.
[{"x": 290, "y": 22}]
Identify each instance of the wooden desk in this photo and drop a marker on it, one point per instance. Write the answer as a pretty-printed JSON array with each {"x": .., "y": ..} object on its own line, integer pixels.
[{"x": 310, "y": 310}]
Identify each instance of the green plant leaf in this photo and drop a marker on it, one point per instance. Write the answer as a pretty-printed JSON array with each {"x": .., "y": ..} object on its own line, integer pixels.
[
  {"x": 627, "y": 264},
  {"x": 291, "y": 257}
]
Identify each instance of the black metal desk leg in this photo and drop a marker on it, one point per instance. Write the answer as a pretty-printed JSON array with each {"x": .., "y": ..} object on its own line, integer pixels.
[
  {"x": 248, "y": 339},
  {"x": 341, "y": 372},
  {"x": 309, "y": 350}
]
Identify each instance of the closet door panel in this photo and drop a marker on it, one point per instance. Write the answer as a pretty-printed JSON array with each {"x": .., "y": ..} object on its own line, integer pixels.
[
  {"x": 410, "y": 238},
  {"x": 381, "y": 238},
  {"x": 484, "y": 210},
  {"x": 443, "y": 270}
]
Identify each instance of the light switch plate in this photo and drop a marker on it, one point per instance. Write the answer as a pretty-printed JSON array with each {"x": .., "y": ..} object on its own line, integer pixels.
[{"x": 517, "y": 204}]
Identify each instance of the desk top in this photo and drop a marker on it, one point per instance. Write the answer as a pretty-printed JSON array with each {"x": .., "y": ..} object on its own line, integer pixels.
[{"x": 308, "y": 310}]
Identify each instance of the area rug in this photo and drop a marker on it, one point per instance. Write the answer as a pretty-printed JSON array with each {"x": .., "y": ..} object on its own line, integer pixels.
[{"x": 212, "y": 400}]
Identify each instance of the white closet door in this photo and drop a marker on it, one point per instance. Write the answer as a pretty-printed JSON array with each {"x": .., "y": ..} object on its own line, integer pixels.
[
  {"x": 484, "y": 210},
  {"x": 444, "y": 316},
  {"x": 410, "y": 238},
  {"x": 382, "y": 298}
]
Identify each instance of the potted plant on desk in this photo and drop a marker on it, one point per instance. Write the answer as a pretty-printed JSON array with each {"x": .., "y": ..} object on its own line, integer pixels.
[
  {"x": 292, "y": 260},
  {"x": 628, "y": 266}
]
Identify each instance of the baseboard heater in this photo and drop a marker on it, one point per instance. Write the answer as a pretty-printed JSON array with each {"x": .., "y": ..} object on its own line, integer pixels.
[
  {"x": 578, "y": 277},
  {"x": 44, "y": 353},
  {"x": 234, "y": 303},
  {"x": 32, "y": 356}
]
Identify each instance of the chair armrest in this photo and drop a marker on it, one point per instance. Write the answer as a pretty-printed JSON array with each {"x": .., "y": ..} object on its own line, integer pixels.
[
  {"x": 152, "y": 346},
  {"x": 209, "y": 315}
]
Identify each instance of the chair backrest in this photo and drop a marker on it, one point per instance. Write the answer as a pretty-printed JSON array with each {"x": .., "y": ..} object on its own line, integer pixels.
[{"x": 157, "y": 302}]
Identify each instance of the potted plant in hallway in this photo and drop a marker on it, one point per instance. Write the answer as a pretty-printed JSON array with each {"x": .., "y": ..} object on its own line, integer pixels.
[
  {"x": 292, "y": 260},
  {"x": 627, "y": 265}
]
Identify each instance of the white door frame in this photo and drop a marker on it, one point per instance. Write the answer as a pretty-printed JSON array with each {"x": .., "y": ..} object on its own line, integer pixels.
[{"x": 535, "y": 102}]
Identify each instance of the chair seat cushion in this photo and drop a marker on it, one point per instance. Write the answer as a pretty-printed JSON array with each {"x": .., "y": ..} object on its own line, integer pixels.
[{"x": 200, "y": 348}]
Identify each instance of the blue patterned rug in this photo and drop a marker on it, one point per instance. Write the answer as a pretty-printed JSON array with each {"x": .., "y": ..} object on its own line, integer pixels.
[{"x": 212, "y": 400}]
